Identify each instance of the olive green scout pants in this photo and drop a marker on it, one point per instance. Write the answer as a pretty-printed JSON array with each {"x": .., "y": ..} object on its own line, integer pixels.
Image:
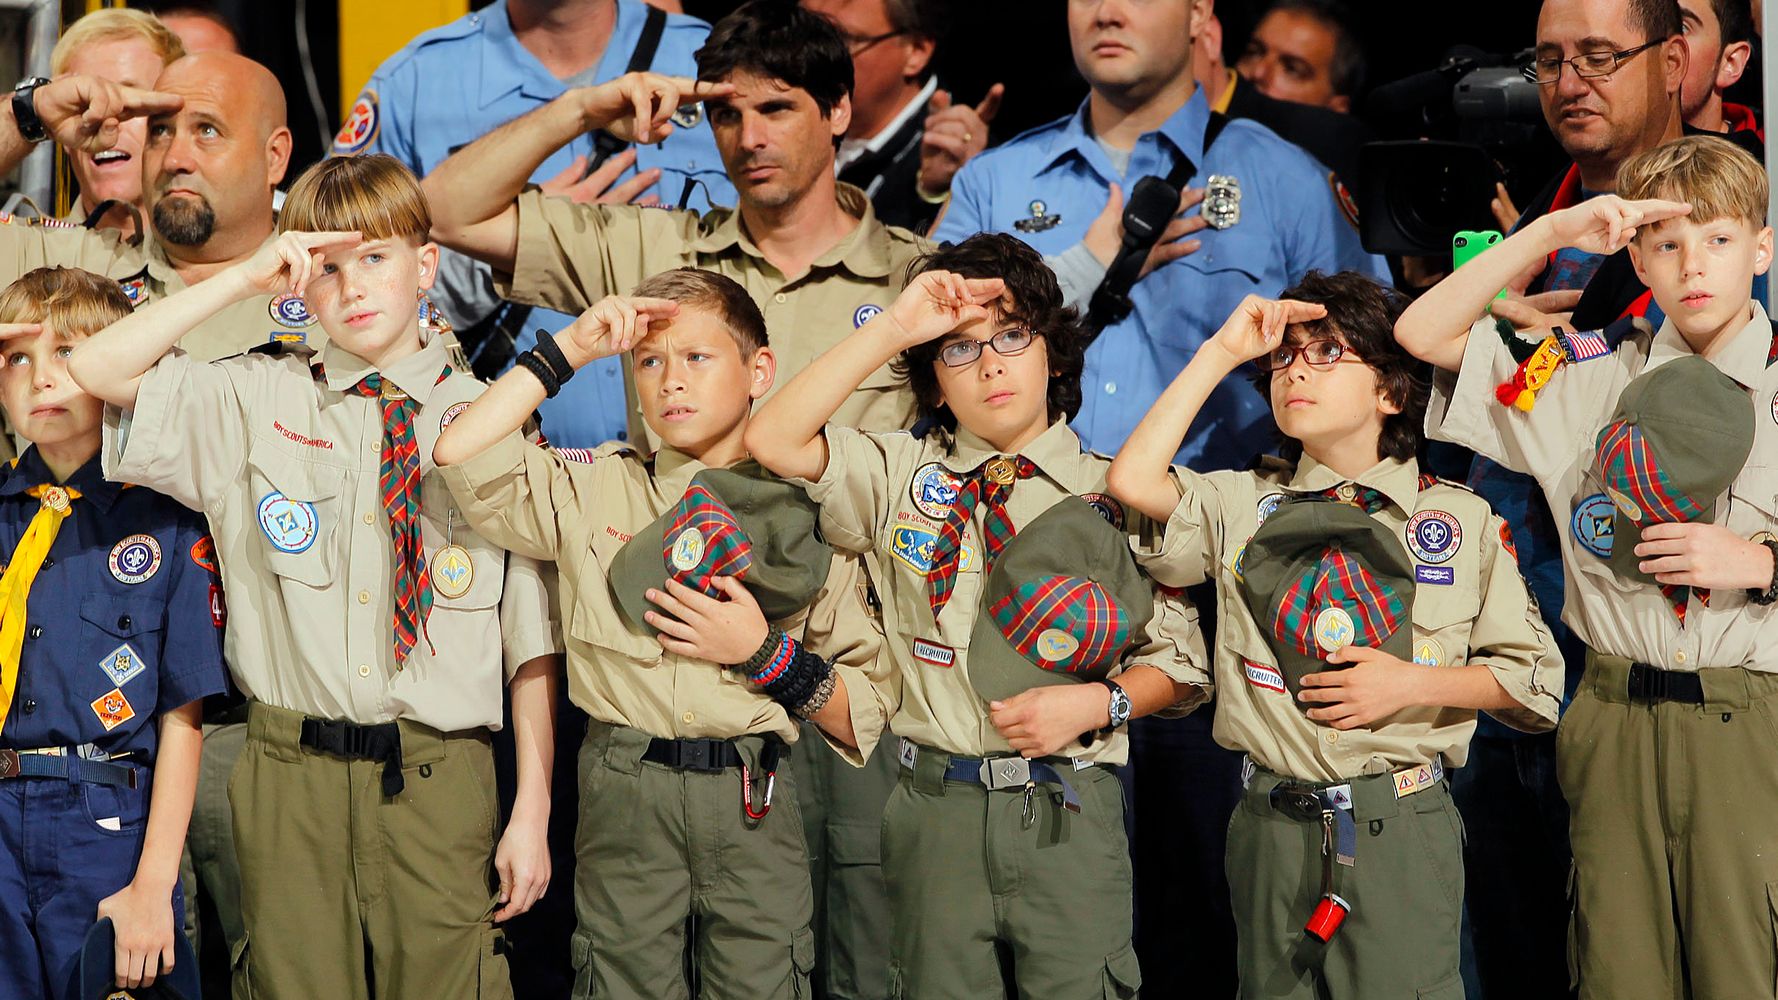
[
  {"x": 657, "y": 844},
  {"x": 1399, "y": 942},
  {"x": 970, "y": 875},
  {"x": 1673, "y": 814},
  {"x": 341, "y": 885},
  {"x": 842, "y": 810}
]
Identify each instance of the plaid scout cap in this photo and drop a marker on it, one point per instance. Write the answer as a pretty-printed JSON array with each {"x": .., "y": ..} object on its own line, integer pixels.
[
  {"x": 741, "y": 522},
  {"x": 1062, "y": 603},
  {"x": 1319, "y": 575},
  {"x": 1680, "y": 435}
]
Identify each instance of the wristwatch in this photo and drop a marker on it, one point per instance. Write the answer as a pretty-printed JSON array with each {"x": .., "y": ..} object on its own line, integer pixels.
[
  {"x": 1770, "y": 594},
  {"x": 24, "y": 109},
  {"x": 1120, "y": 706}
]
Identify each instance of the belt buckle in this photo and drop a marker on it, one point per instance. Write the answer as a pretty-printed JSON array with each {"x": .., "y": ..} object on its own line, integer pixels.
[
  {"x": 1297, "y": 803},
  {"x": 9, "y": 763},
  {"x": 697, "y": 755},
  {"x": 1005, "y": 772},
  {"x": 1645, "y": 683}
]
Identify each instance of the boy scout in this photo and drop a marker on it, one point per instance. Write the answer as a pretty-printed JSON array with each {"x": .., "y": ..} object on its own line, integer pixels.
[
  {"x": 1665, "y": 754},
  {"x": 678, "y": 767},
  {"x": 369, "y": 617},
  {"x": 107, "y": 648},
  {"x": 1006, "y": 827},
  {"x": 1348, "y": 671}
]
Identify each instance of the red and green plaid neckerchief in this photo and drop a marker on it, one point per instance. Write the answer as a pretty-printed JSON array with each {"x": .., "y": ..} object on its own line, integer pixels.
[
  {"x": 401, "y": 499},
  {"x": 992, "y": 482}
]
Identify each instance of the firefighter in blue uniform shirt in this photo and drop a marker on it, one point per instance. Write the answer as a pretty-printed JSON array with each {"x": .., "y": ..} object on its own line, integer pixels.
[{"x": 454, "y": 84}]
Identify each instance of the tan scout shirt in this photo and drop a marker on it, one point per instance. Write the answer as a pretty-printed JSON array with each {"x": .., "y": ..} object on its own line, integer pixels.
[
  {"x": 1484, "y": 615},
  {"x": 1554, "y": 442},
  {"x": 570, "y": 256},
  {"x": 872, "y": 503},
  {"x": 580, "y": 514},
  {"x": 147, "y": 276},
  {"x": 288, "y": 469}
]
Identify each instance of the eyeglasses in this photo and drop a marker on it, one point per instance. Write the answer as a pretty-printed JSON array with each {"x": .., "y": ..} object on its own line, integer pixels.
[
  {"x": 857, "y": 45},
  {"x": 1587, "y": 65},
  {"x": 1316, "y": 353},
  {"x": 1006, "y": 343}
]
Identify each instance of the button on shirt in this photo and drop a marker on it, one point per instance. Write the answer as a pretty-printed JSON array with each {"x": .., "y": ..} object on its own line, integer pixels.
[
  {"x": 580, "y": 514},
  {"x": 1289, "y": 225},
  {"x": 1554, "y": 443},
  {"x": 872, "y": 503},
  {"x": 455, "y": 84},
  {"x": 287, "y": 467},
  {"x": 103, "y": 656},
  {"x": 1483, "y": 615}
]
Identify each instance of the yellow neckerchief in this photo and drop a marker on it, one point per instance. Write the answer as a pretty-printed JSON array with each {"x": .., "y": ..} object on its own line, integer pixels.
[{"x": 15, "y": 583}]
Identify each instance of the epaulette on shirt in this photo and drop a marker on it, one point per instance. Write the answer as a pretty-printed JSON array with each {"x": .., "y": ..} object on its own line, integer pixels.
[
  {"x": 279, "y": 349},
  {"x": 1560, "y": 348},
  {"x": 1428, "y": 481}
]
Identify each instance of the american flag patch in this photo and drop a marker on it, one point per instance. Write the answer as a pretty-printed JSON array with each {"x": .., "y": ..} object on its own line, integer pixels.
[{"x": 1585, "y": 346}]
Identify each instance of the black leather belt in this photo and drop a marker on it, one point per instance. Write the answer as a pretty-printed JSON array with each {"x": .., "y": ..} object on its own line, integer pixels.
[
  {"x": 693, "y": 755},
  {"x": 381, "y": 742},
  {"x": 1654, "y": 684}
]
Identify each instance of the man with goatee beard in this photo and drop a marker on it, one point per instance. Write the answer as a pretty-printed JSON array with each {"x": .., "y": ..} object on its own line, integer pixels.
[{"x": 217, "y": 147}]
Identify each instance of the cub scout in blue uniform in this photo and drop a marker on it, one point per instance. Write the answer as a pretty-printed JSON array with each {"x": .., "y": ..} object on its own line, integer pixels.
[
  {"x": 1365, "y": 611},
  {"x": 1005, "y": 830},
  {"x": 110, "y": 638},
  {"x": 369, "y": 618}
]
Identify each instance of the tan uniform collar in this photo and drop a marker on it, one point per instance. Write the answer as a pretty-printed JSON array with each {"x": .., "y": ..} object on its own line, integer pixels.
[
  {"x": 1397, "y": 480},
  {"x": 415, "y": 374},
  {"x": 1742, "y": 359},
  {"x": 865, "y": 251},
  {"x": 1056, "y": 452}
]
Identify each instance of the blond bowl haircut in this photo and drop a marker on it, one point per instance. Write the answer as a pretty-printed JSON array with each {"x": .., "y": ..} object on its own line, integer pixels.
[
  {"x": 1717, "y": 178},
  {"x": 376, "y": 196},
  {"x": 72, "y": 302},
  {"x": 110, "y": 24},
  {"x": 722, "y": 295}
]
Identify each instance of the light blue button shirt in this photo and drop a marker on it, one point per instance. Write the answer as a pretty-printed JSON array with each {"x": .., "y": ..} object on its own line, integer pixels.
[
  {"x": 1290, "y": 224},
  {"x": 454, "y": 84}
]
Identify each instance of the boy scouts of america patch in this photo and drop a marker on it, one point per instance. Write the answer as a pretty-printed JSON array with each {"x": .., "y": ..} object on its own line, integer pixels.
[
  {"x": 451, "y": 414},
  {"x": 1108, "y": 508},
  {"x": 290, "y": 310},
  {"x": 135, "y": 559},
  {"x": 1267, "y": 504},
  {"x": 1039, "y": 221},
  {"x": 360, "y": 128},
  {"x": 913, "y": 545},
  {"x": 1434, "y": 535},
  {"x": 122, "y": 664},
  {"x": 112, "y": 709},
  {"x": 933, "y": 490}
]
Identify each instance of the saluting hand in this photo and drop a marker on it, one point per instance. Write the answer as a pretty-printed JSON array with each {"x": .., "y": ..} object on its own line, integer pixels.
[
  {"x": 1256, "y": 327},
  {"x": 601, "y": 187},
  {"x": 84, "y": 112},
  {"x": 639, "y": 107},
  {"x": 612, "y": 326},
  {"x": 290, "y": 262},
  {"x": 1607, "y": 224},
  {"x": 937, "y": 302}
]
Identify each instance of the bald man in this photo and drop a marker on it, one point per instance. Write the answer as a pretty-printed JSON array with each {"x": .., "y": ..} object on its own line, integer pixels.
[{"x": 217, "y": 146}]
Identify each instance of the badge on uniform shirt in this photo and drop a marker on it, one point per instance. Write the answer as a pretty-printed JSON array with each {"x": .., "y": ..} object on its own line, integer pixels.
[
  {"x": 293, "y": 337},
  {"x": 865, "y": 313},
  {"x": 688, "y": 550},
  {"x": 1434, "y": 536},
  {"x": 135, "y": 559},
  {"x": 134, "y": 289},
  {"x": 1334, "y": 629},
  {"x": 290, "y": 525},
  {"x": 1108, "y": 508},
  {"x": 935, "y": 653},
  {"x": 55, "y": 498},
  {"x": 1343, "y": 198},
  {"x": 933, "y": 490},
  {"x": 1428, "y": 653},
  {"x": 113, "y": 709},
  {"x": 1222, "y": 201},
  {"x": 1442, "y": 576},
  {"x": 455, "y": 411},
  {"x": 1261, "y": 676},
  {"x": 689, "y": 115},
  {"x": 1591, "y": 524},
  {"x": 1235, "y": 563},
  {"x": 122, "y": 664},
  {"x": 452, "y": 572},
  {"x": 218, "y": 607},
  {"x": 913, "y": 545},
  {"x": 290, "y": 310},
  {"x": 1268, "y": 504},
  {"x": 203, "y": 554},
  {"x": 1775, "y": 407},
  {"x": 360, "y": 127},
  {"x": 1040, "y": 220}
]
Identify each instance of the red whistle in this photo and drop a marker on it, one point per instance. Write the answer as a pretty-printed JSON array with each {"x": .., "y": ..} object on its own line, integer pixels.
[{"x": 1329, "y": 914}]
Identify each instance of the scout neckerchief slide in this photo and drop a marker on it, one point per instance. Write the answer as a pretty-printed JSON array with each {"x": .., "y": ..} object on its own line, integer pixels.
[{"x": 15, "y": 583}]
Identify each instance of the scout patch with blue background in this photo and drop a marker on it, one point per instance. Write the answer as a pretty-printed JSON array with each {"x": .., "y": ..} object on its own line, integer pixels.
[
  {"x": 1434, "y": 535},
  {"x": 1108, "y": 508},
  {"x": 1268, "y": 504},
  {"x": 1442, "y": 576},
  {"x": 122, "y": 664},
  {"x": 865, "y": 313},
  {"x": 134, "y": 289},
  {"x": 913, "y": 545},
  {"x": 933, "y": 490},
  {"x": 135, "y": 559},
  {"x": 290, "y": 310},
  {"x": 1591, "y": 524},
  {"x": 288, "y": 524}
]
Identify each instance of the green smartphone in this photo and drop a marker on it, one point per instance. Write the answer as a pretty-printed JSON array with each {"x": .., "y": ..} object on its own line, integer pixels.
[{"x": 1466, "y": 245}]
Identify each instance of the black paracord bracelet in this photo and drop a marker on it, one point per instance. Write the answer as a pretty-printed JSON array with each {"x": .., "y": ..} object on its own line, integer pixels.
[
  {"x": 551, "y": 353},
  {"x": 1770, "y": 594},
  {"x": 540, "y": 368},
  {"x": 800, "y": 679},
  {"x": 763, "y": 655}
]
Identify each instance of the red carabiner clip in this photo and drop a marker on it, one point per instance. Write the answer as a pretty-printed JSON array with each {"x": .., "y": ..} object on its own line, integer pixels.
[{"x": 747, "y": 793}]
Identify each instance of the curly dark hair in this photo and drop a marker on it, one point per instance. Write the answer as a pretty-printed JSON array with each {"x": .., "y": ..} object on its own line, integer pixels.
[
  {"x": 1361, "y": 314},
  {"x": 1037, "y": 304}
]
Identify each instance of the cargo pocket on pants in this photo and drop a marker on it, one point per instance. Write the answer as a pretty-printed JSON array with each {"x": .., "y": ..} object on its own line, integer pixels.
[
  {"x": 580, "y": 954},
  {"x": 240, "y": 964},
  {"x": 495, "y": 982},
  {"x": 1123, "y": 974},
  {"x": 802, "y": 962},
  {"x": 1450, "y": 989}
]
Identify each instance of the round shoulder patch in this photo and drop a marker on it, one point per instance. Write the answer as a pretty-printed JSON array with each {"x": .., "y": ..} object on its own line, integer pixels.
[
  {"x": 135, "y": 559},
  {"x": 932, "y": 490},
  {"x": 1108, "y": 508},
  {"x": 360, "y": 128},
  {"x": 1434, "y": 536},
  {"x": 865, "y": 313},
  {"x": 290, "y": 525},
  {"x": 1591, "y": 524},
  {"x": 290, "y": 310},
  {"x": 1267, "y": 505},
  {"x": 455, "y": 411}
]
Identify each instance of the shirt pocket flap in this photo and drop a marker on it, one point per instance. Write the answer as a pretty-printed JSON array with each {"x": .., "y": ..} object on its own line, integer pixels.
[
  {"x": 1757, "y": 486},
  {"x": 297, "y": 508},
  {"x": 593, "y": 618},
  {"x": 120, "y": 617}
]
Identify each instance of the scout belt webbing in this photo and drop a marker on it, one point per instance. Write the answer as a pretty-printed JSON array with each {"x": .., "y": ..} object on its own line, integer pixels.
[
  {"x": 56, "y": 762},
  {"x": 380, "y": 742}
]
